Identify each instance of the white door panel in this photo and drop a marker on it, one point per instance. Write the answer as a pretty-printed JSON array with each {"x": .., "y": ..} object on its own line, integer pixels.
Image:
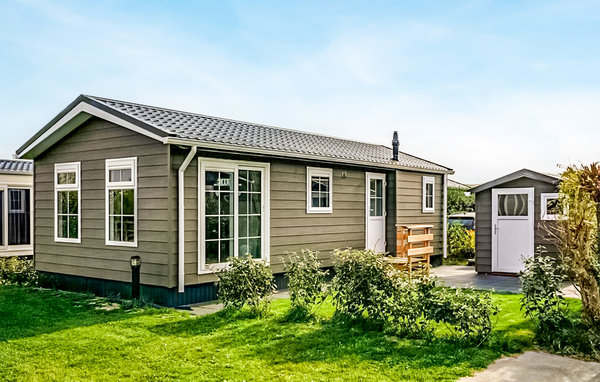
[
  {"x": 512, "y": 228},
  {"x": 375, "y": 212}
]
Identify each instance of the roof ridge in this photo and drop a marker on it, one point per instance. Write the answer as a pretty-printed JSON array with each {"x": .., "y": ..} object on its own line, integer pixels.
[{"x": 238, "y": 121}]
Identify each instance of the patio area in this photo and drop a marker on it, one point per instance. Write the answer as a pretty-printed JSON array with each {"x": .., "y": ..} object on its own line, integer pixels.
[{"x": 458, "y": 276}]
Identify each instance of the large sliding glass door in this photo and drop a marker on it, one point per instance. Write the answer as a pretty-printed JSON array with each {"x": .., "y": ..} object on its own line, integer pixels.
[{"x": 232, "y": 211}]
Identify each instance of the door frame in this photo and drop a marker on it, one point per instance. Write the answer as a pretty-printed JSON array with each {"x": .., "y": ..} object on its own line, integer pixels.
[
  {"x": 530, "y": 191},
  {"x": 368, "y": 177}
]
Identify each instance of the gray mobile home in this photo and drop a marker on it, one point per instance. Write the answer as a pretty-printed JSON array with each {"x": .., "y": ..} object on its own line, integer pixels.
[
  {"x": 513, "y": 215},
  {"x": 187, "y": 191}
]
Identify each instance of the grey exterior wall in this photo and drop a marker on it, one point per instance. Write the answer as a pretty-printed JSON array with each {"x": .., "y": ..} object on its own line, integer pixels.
[
  {"x": 409, "y": 208},
  {"x": 291, "y": 228},
  {"x": 483, "y": 228},
  {"x": 91, "y": 144}
]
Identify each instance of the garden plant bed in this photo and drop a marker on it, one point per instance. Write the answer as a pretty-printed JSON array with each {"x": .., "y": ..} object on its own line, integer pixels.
[{"x": 52, "y": 335}]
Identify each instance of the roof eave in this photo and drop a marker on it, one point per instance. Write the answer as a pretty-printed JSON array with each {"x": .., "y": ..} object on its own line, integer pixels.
[
  {"x": 73, "y": 116},
  {"x": 288, "y": 154},
  {"x": 523, "y": 173}
]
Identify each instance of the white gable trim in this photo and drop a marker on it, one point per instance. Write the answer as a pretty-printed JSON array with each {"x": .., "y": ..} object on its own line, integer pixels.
[{"x": 87, "y": 111}]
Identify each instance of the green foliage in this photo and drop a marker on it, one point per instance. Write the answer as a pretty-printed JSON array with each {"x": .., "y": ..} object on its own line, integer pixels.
[
  {"x": 246, "y": 282},
  {"x": 542, "y": 298},
  {"x": 306, "y": 281},
  {"x": 364, "y": 283},
  {"x": 461, "y": 242},
  {"x": 17, "y": 270},
  {"x": 466, "y": 313},
  {"x": 366, "y": 286},
  {"x": 459, "y": 202}
]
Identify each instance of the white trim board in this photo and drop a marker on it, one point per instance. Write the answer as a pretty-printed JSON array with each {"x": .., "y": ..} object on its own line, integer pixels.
[{"x": 73, "y": 119}]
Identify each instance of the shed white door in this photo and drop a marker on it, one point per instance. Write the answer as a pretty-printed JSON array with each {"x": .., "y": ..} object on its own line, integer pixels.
[
  {"x": 375, "y": 212},
  {"x": 512, "y": 228}
]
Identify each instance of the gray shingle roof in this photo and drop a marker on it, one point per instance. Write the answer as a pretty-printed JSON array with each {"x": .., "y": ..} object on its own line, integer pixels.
[
  {"x": 203, "y": 128},
  {"x": 13, "y": 166}
]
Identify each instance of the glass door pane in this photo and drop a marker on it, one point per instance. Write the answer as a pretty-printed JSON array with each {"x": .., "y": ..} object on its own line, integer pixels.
[
  {"x": 219, "y": 216},
  {"x": 2, "y": 218},
  {"x": 376, "y": 197},
  {"x": 249, "y": 213}
]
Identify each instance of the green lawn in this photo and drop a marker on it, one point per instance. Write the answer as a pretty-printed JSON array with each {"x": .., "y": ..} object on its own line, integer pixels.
[{"x": 51, "y": 335}]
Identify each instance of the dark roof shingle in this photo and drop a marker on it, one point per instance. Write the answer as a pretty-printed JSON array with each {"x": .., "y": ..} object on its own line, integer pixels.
[
  {"x": 203, "y": 128},
  {"x": 16, "y": 166}
]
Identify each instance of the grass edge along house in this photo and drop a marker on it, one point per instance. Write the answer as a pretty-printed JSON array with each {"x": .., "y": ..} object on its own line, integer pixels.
[{"x": 185, "y": 191}]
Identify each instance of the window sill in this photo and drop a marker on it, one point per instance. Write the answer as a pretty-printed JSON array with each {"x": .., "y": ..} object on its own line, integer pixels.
[
  {"x": 66, "y": 240},
  {"x": 428, "y": 211},
  {"x": 122, "y": 244},
  {"x": 319, "y": 211}
]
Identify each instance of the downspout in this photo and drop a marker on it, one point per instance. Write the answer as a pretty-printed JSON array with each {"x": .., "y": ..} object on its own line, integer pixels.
[
  {"x": 181, "y": 219},
  {"x": 445, "y": 228}
]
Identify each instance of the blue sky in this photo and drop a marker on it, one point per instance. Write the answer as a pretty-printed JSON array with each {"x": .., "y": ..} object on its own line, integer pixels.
[{"x": 484, "y": 87}]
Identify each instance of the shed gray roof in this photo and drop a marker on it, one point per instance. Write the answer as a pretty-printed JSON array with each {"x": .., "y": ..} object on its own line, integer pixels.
[
  {"x": 14, "y": 166},
  {"x": 204, "y": 128},
  {"x": 524, "y": 173}
]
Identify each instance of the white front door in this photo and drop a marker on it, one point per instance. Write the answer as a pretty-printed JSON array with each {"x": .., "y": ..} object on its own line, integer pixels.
[
  {"x": 512, "y": 228},
  {"x": 375, "y": 212}
]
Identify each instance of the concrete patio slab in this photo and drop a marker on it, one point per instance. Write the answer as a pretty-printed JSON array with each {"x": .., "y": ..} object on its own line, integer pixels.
[
  {"x": 538, "y": 367},
  {"x": 458, "y": 276},
  {"x": 211, "y": 307}
]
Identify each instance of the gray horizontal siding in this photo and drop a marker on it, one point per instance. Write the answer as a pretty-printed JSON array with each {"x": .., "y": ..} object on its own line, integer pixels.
[
  {"x": 409, "y": 204},
  {"x": 483, "y": 230},
  {"x": 91, "y": 144}
]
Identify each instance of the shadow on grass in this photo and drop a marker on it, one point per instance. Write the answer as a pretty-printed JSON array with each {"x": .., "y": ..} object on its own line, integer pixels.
[{"x": 27, "y": 311}]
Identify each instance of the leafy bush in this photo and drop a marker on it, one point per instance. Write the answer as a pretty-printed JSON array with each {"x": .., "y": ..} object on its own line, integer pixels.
[
  {"x": 17, "y": 270},
  {"x": 466, "y": 313},
  {"x": 542, "y": 298},
  {"x": 306, "y": 281},
  {"x": 364, "y": 283},
  {"x": 461, "y": 242},
  {"x": 246, "y": 282},
  {"x": 459, "y": 202}
]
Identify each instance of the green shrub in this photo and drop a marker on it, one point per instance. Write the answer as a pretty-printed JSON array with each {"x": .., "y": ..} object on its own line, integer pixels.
[
  {"x": 306, "y": 281},
  {"x": 542, "y": 299},
  {"x": 246, "y": 281},
  {"x": 459, "y": 202},
  {"x": 17, "y": 270},
  {"x": 466, "y": 313},
  {"x": 364, "y": 283},
  {"x": 461, "y": 242}
]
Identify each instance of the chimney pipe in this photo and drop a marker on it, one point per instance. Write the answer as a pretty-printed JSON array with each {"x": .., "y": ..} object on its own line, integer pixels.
[{"x": 395, "y": 146}]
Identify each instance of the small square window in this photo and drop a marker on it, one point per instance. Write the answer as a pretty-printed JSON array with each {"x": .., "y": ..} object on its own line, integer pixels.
[
  {"x": 319, "y": 194},
  {"x": 550, "y": 206}
]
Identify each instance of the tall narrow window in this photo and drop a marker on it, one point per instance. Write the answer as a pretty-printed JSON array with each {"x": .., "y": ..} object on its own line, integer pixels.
[
  {"x": 233, "y": 215},
  {"x": 428, "y": 194},
  {"x": 319, "y": 191},
  {"x": 121, "y": 218},
  {"x": 67, "y": 202}
]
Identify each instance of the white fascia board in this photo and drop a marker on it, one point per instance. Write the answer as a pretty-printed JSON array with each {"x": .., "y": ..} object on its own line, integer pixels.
[{"x": 73, "y": 119}]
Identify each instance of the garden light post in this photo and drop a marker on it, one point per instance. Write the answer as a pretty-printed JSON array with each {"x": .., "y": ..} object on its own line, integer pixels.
[{"x": 136, "y": 263}]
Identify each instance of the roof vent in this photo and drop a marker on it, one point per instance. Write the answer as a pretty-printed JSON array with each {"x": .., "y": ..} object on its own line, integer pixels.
[{"x": 395, "y": 146}]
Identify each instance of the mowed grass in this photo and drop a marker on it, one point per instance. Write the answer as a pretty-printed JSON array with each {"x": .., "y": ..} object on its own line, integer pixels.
[{"x": 51, "y": 335}]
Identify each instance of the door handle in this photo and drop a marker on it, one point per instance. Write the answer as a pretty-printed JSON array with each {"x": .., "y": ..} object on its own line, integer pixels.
[{"x": 495, "y": 229}]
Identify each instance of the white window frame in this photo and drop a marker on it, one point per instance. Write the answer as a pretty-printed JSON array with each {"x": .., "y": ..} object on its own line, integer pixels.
[
  {"x": 321, "y": 172},
  {"x": 62, "y": 168},
  {"x": 121, "y": 164},
  {"x": 544, "y": 196},
  {"x": 210, "y": 164},
  {"x": 428, "y": 180}
]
